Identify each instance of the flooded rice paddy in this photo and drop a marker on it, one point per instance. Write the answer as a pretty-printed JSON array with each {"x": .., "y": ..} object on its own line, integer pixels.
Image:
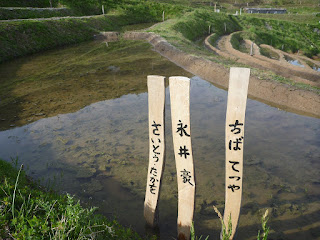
[
  {"x": 79, "y": 117},
  {"x": 293, "y": 61}
]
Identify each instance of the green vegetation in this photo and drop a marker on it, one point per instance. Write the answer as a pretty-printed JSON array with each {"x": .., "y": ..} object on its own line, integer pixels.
[
  {"x": 285, "y": 35},
  {"x": 269, "y": 53},
  {"x": 140, "y": 11},
  {"x": 30, "y": 212},
  {"x": 28, "y": 3},
  {"x": 183, "y": 31},
  {"x": 25, "y": 13},
  {"x": 25, "y": 37}
]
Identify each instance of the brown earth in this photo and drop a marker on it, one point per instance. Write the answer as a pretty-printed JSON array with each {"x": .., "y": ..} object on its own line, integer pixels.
[
  {"x": 280, "y": 95},
  {"x": 298, "y": 74}
]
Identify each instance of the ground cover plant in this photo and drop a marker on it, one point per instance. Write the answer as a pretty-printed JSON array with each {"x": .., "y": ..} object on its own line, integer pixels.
[
  {"x": 283, "y": 35},
  {"x": 28, "y": 3},
  {"x": 25, "y": 13},
  {"x": 29, "y": 211}
]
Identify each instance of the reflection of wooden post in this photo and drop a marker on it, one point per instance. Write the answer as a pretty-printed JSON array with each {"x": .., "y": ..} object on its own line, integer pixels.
[
  {"x": 156, "y": 101},
  {"x": 180, "y": 115},
  {"x": 237, "y": 99}
]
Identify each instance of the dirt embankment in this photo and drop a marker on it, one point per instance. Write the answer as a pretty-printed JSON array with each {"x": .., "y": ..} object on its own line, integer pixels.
[
  {"x": 273, "y": 93},
  {"x": 298, "y": 74}
]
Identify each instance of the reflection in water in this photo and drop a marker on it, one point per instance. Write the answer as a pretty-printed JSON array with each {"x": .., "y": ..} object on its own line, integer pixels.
[
  {"x": 102, "y": 151},
  {"x": 293, "y": 61}
]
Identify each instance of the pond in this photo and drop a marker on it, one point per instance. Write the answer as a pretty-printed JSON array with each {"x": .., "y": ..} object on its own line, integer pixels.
[
  {"x": 97, "y": 149},
  {"x": 293, "y": 61}
]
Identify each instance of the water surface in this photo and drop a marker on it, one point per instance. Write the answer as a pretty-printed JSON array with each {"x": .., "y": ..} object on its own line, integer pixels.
[{"x": 99, "y": 153}]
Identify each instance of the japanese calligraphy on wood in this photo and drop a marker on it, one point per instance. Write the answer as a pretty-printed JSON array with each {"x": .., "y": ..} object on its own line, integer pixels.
[
  {"x": 180, "y": 115},
  {"x": 237, "y": 99},
  {"x": 156, "y": 103}
]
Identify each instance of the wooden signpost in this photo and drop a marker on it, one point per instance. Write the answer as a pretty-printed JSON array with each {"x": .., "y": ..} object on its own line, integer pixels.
[
  {"x": 180, "y": 115},
  {"x": 156, "y": 103},
  {"x": 237, "y": 99}
]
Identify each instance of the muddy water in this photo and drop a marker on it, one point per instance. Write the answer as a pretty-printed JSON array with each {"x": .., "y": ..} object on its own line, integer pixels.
[
  {"x": 293, "y": 61},
  {"x": 100, "y": 153}
]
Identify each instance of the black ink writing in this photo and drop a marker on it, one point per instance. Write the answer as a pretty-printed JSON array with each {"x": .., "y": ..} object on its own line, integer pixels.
[
  {"x": 186, "y": 178},
  {"x": 237, "y": 178},
  {"x": 155, "y": 125},
  {"x": 152, "y": 185},
  {"x": 183, "y": 152},
  {"x": 236, "y": 129},
  {"x": 233, "y": 187},
  {"x": 233, "y": 165},
  {"x": 237, "y": 143},
  {"x": 182, "y": 129}
]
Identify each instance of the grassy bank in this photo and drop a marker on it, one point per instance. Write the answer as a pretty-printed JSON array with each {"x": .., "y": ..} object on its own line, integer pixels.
[
  {"x": 29, "y": 211},
  {"x": 185, "y": 31},
  {"x": 25, "y": 13},
  {"x": 25, "y": 37},
  {"x": 29, "y": 3},
  {"x": 284, "y": 35}
]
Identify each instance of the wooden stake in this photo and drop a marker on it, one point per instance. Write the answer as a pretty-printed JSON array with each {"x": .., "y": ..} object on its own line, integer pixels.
[
  {"x": 156, "y": 102},
  {"x": 163, "y": 16},
  {"x": 180, "y": 115},
  {"x": 225, "y": 27},
  {"x": 102, "y": 10},
  {"x": 237, "y": 99}
]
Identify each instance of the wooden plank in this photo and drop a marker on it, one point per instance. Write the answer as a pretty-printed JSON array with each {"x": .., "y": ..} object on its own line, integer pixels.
[
  {"x": 181, "y": 132},
  {"x": 156, "y": 104},
  {"x": 237, "y": 99}
]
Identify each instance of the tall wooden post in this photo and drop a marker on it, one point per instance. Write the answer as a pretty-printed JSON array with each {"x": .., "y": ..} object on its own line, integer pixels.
[
  {"x": 163, "y": 16},
  {"x": 237, "y": 99},
  {"x": 156, "y": 103},
  {"x": 180, "y": 115},
  {"x": 102, "y": 8}
]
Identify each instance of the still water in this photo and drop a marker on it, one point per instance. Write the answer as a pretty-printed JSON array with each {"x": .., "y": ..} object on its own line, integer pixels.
[{"x": 100, "y": 154}]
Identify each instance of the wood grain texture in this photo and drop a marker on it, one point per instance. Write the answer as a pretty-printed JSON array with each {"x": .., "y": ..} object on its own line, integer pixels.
[
  {"x": 237, "y": 99},
  {"x": 181, "y": 132},
  {"x": 156, "y": 104}
]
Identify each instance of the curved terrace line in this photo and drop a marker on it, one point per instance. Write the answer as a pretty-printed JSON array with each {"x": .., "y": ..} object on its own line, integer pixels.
[{"x": 273, "y": 93}]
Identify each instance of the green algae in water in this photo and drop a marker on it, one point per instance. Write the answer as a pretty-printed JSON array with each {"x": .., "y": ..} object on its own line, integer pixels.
[
  {"x": 102, "y": 148},
  {"x": 66, "y": 80},
  {"x": 280, "y": 161}
]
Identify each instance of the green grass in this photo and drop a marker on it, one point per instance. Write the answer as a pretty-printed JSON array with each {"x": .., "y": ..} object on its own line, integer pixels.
[
  {"x": 28, "y": 3},
  {"x": 6, "y": 14},
  {"x": 269, "y": 53},
  {"x": 29, "y": 211},
  {"x": 292, "y": 36},
  {"x": 25, "y": 37}
]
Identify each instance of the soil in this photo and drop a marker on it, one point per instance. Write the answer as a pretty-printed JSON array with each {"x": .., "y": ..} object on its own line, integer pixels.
[{"x": 285, "y": 97}]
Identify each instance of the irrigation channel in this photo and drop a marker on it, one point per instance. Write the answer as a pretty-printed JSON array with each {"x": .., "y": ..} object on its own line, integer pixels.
[{"x": 81, "y": 122}]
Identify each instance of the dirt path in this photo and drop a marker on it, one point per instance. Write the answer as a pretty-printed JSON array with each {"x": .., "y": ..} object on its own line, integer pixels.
[
  {"x": 299, "y": 74},
  {"x": 276, "y": 94}
]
